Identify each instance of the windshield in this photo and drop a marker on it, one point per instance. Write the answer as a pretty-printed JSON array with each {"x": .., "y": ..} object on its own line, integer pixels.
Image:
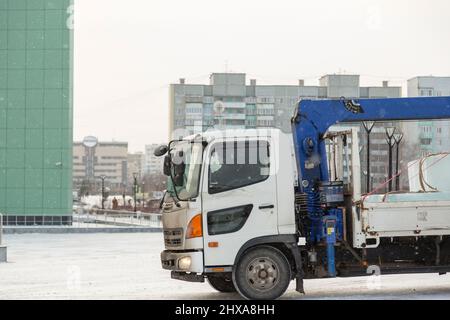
[{"x": 189, "y": 153}]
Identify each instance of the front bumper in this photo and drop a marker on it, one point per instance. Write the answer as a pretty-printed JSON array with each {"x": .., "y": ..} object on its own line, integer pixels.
[
  {"x": 189, "y": 277},
  {"x": 178, "y": 261}
]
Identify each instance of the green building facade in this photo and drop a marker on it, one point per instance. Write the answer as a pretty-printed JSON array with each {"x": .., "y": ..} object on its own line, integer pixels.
[{"x": 36, "y": 58}]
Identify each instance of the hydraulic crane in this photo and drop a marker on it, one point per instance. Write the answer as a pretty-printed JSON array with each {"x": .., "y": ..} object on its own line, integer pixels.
[{"x": 251, "y": 210}]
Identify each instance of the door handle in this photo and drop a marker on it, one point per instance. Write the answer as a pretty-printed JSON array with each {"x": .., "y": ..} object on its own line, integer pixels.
[{"x": 267, "y": 206}]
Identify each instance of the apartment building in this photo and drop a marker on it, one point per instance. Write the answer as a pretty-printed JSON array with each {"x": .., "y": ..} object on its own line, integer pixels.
[
  {"x": 93, "y": 159},
  {"x": 229, "y": 101},
  {"x": 428, "y": 137}
]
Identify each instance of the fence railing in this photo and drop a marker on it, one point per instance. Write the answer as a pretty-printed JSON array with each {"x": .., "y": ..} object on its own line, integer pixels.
[
  {"x": 119, "y": 218},
  {"x": 88, "y": 219}
]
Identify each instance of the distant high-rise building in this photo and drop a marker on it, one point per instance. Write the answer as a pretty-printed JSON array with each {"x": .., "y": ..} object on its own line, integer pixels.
[
  {"x": 229, "y": 102},
  {"x": 152, "y": 164},
  {"x": 135, "y": 165},
  {"x": 36, "y": 48},
  {"x": 93, "y": 159},
  {"x": 429, "y": 136}
]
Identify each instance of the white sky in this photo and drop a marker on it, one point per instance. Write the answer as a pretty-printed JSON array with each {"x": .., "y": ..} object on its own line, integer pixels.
[{"x": 128, "y": 51}]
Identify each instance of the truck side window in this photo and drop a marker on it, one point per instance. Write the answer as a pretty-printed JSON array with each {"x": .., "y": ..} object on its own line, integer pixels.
[
  {"x": 238, "y": 164},
  {"x": 228, "y": 220}
]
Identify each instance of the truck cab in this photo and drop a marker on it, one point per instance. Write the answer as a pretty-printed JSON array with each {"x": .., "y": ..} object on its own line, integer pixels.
[
  {"x": 229, "y": 191},
  {"x": 251, "y": 210}
]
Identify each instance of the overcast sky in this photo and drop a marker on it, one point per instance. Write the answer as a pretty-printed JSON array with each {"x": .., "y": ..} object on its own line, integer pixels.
[{"x": 128, "y": 51}]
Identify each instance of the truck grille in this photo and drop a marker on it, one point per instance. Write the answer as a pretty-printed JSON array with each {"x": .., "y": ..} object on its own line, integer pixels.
[{"x": 173, "y": 237}]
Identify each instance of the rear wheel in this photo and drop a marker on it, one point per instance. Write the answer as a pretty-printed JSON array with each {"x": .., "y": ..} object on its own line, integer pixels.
[
  {"x": 262, "y": 273},
  {"x": 222, "y": 283},
  {"x": 445, "y": 252}
]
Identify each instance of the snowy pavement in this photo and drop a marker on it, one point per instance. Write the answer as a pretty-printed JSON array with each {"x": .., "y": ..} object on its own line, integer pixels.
[{"x": 127, "y": 266}]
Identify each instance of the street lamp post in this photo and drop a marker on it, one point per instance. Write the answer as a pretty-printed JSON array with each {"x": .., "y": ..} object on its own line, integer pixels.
[
  {"x": 369, "y": 178},
  {"x": 368, "y": 126},
  {"x": 124, "y": 195},
  {"x": 398, "y": 137},
  {"x": 135, "y": 175},
  {"x": 390, "y": 131},
  {"x": 103, "y": 191},
  {"x": 364, "y": 173},
  {"x": 143, "y": 194}
]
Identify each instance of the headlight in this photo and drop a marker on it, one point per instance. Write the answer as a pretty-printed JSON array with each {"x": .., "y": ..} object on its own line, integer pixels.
[{"x": 184, "y": 263}]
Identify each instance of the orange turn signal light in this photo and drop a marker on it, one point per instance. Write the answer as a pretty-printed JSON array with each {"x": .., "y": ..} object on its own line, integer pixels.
[
  {"x": 194, "y": 229},
  {"x": 213, "y": 244}
]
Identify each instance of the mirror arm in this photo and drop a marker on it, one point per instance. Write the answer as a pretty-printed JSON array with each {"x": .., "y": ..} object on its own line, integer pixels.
[{"x": 161, "y": 203}]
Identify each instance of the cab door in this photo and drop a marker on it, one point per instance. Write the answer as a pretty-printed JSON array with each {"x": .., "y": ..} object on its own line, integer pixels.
[{"x": 239, "y": 197}]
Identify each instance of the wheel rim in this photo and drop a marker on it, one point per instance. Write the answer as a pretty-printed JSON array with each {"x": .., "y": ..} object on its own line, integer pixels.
[{"x": 262, "y": 274}]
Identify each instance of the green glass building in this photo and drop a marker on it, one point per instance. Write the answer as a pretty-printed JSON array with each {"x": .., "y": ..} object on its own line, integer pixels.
[{"x": 36, "y": 42}]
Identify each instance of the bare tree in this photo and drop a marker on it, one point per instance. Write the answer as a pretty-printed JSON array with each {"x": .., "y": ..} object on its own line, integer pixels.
[{"x": 155, "y": 182}]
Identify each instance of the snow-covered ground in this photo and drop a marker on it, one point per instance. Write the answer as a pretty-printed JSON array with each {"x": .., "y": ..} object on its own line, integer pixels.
[{"x": 127, "y": 266}]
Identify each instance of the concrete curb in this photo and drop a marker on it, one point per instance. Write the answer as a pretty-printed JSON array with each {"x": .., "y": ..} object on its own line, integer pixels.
[{"x": 68, "y": 230}]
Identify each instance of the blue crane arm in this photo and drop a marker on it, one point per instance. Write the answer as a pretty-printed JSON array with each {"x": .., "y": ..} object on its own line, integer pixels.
[
  {"x": 314, "y": 117},
  {"x": 311, "y": 121}
]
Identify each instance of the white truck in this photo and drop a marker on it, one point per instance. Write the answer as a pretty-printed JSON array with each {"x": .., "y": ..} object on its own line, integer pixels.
[{"x": 251, "y": 210}]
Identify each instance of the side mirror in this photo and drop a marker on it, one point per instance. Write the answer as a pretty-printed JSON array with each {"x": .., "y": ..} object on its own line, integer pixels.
[
  {"x": 167, "y": 166},
  {"x": 161, "y": 150}
]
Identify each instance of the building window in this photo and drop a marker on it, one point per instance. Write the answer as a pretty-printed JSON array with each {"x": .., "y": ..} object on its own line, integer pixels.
[{"x": 265, "y": 123}]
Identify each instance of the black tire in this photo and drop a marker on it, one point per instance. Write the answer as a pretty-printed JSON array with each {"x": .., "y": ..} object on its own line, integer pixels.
[
  {"x": 262, "y": 273},
  {"x": 445, "y": 252},
  {"x": 222, "y": 283}
]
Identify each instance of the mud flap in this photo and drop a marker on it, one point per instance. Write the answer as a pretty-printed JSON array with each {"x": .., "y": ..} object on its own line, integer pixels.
[{"x": 298, "y": 266}]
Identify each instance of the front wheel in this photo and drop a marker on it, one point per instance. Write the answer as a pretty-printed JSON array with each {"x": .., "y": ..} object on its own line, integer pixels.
[
  {"x": 222, "y": 283},
  {"x": 262, "y": 273}
]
